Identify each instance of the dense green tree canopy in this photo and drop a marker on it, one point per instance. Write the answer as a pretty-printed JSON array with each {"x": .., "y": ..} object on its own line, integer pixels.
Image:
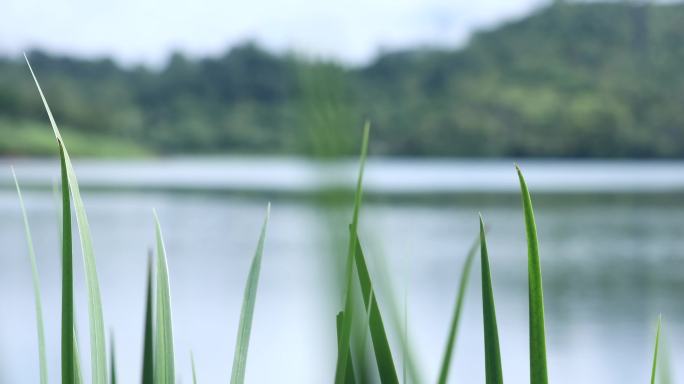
[{"x": 571, "y": 80}]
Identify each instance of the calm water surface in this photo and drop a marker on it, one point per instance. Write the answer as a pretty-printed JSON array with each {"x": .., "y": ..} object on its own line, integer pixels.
[{"x": 612, "y": 236}]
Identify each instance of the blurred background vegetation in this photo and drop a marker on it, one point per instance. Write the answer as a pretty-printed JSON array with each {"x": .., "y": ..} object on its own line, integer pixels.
[{"x": 570, "y": 80}]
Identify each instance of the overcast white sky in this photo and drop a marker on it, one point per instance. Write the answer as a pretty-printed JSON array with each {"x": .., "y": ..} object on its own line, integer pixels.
[{"x": 147, "y": 30}]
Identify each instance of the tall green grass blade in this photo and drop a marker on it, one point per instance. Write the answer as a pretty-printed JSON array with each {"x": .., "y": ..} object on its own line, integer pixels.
[
  {"x": 97, "y": 334},
  {"x": 247, "y": 311},
  {"x": 164, "y": 372},
  {"x": 42, "y": 360},
  {"x": 493, "y": 370},
  {"x": 148, "y": 343},
  {"x": 345, "y": 337},
  {"x": 78, "y": 374},
  {"x": 404, "y": 353},
  {"x": 76, "y": 366},
  {"x": 366, "y": 327},
  {"x": 664, "y": 368},
  {"x": 395, "y": 320},
  {"x": 538, "y": 369},
  {"x": 68, "y": 325},
  {"x": 655, "y": 352},
  {"x": 194, "y": 372},
  {"x": 112, "y": 363},
  {"x": 460, "y": 298},
  {"x": 383, "y": 353},
  {"x": 350, "y": 375}
]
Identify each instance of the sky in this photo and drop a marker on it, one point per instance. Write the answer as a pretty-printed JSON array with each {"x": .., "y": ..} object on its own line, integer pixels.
[{"x": 147, "y": 31}]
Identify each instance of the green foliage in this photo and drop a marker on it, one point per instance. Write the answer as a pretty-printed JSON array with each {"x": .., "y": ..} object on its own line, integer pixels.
[
  {"x": 247, "y": 311},
  {"x": 112, "y": 360},
  {"x": 456, "y": 317},
  {"x": 383, "y": 353},
  {"x": 164, "y": 372},
  {"x": 148, "y": 343},
  {"x": 192, "y": 364},
  {"x": 538, "y": 371},
  {"x": 493, "y": 370},
  {"x": 350, "y": 377},
  {"x": 158, "y": 353},
  {"x": 655, "y": 351},
  {"x": 579, "y": 79},
  {"x": 36, "y": 287},
  {"x": 69, "y": 354},
  {"x": 346, "y": 328},
  {"x": 98, "y": 351}
]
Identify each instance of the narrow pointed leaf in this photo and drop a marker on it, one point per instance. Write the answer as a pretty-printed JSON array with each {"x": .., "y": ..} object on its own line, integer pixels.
[
  {"x": 148, "y": 343},
  {"x": 350, "y": 377},
  {"x": 493, "y": 372},
  {"x": 655, "y": 352},
  {"x": 664, "y": 367},
  {"x": 112, "y": 364},
  {"x": 42, "y": 360},
  {"x": 451, "y": 340},
  {"x": 78, "y": 374},
  {"x": 538, "y": 369},
  {"x": 97, "y": 334},
  {"x": 247, "y": 312},
  {"x": 164, "y": 372},
  {"x": 383, "y": 353},
  {"x": 68, "y": 325},
  {"x": 345, "y": 335},
  {"x": 194, "y": 372}
]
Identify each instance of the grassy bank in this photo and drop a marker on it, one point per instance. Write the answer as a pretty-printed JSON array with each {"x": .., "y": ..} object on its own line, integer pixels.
[{"x": 29, "y": 138}]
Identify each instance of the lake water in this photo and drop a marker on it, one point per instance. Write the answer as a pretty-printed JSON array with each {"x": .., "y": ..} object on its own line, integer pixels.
[{"x": 611, "y": 234}]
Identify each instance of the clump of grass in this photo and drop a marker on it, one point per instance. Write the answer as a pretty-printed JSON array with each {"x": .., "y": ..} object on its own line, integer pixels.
[
  {"x": 346, "y": 326},
  {"x": 158, "y": 349},
  {"x": 96, "y": 318}
]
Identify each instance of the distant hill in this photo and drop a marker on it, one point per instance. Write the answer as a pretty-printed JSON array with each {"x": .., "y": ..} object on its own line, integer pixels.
[{"x": 571, "y": 80}]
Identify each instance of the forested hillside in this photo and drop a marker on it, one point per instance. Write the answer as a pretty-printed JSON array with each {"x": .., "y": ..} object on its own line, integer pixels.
[{"x": 571, "y": 80}]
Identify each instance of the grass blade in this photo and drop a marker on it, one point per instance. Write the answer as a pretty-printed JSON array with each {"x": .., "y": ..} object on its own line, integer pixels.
[
  {"x": 78, "y": 375},
  {"x": 42, "y": 360},
  {"x": 538, "y": 370},
  {"x": 345, "y": 335},
  {"x": 350, "y": 377},
  {"x": 112, "y": 363},
  {"x": 164, "y": 372},
  {"x": 194, "y": 372},
  {"x": 148, "y": 344},
  {"x": 383, "y": 353},
  {"x": 655, "y": 352},
  {"x": 493, "y": 370},
  {"x": 69, "y": 344},
  {"x": 76, "y": 366},
  {"x": 451, "y": 340},
  {"x": 247, "y": 311},
  {"x": 97, "y": 334},
  {"x": 665, "y": 369}
]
